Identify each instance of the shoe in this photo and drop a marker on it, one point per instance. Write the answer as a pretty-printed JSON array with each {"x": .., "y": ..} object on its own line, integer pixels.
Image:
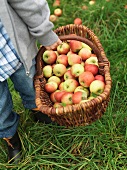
[
  {"x": 41, "y": 117},
  {"x": 14, "y": 149}
]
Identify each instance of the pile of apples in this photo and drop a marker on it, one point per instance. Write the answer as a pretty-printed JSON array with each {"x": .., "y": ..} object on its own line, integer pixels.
[{"x": 72, "y": 74}]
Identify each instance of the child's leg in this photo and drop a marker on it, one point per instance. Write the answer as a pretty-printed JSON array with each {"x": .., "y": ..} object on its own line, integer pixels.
[
  {"x": 24, "y": 85},
  {"x": 8, "y": 119}
]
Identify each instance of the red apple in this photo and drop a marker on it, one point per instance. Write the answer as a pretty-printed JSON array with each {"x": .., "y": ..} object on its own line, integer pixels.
[
  {"x": 93, "y": 55},
  {"x": 49, "y": 57},
  {"x": 52, "y": 98},
  {"x": 77, "y": 69},
  {"x": 61, "y": 86},
  {"x": 51, "y": 86},
  {"x": 86, "y": 78},
  {"x": 99, "y": 77},
  {"x": 78, "y": 97},
  {"x": 47, "y": 71},
  {"x": 85, "y": 53},
  {"x": 77, "y": 21},
  {"x": 55, "y": 79},
  {"x": 58, "y": 95},
  {"x": 63, "y": 48},
  {"x": 97, "y": 87},
  {"x": 73, "y": 59},
  {"x": 84, "y": 7},
  {"x": 67, "y": 98},
  {"x": 70, "y": 85},
  {"x": 92, "y": 68},
  {"x": 75, "y": 45},
  {"x": 58, "y": 12},
  {"x": 59, "y": 70},
  {"x": 56, "y": 3},
  {"x": 68, "y": 75},
  {"x": 62, "y": 59}
]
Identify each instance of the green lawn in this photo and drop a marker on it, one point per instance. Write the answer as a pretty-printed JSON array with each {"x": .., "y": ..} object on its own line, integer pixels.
[{"x": 103, "y": 144}]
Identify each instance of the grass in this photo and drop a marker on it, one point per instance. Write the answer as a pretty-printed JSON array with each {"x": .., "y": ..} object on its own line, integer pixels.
[{"x": 101, "y": 145}]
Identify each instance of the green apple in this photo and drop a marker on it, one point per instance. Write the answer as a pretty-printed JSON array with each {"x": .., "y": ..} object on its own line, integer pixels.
[
  {"x": 55, "y": 79},
  {"x": 70, "y": 85},
  {"x": 47, "y": 71},
  {"x": 59, "y": 70},
  {"x": 92, "y": 60},
  {"x": 77, "y": 69},
  {"x": 97, "y": 87}
]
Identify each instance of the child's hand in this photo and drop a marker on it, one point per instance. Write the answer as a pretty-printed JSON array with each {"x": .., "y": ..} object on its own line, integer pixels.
[{"x": 54, "y": 46}]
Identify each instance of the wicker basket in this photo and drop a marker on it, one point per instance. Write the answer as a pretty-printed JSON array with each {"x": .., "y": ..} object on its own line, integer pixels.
[{"x": 79, "y": 114}]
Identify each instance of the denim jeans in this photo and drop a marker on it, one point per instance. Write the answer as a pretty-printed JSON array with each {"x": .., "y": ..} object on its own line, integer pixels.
[{"x": 24, "y": 85}]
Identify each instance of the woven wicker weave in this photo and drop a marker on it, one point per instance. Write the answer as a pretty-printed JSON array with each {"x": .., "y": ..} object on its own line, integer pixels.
[{"x": 79, "y": 114}]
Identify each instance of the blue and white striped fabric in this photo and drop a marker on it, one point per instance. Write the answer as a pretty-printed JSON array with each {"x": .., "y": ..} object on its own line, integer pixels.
[{"x": 9, "y": 59}]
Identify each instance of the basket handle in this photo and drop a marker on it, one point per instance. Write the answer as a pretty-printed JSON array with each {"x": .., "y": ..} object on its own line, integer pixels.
[{"x": 39, "y": 63}]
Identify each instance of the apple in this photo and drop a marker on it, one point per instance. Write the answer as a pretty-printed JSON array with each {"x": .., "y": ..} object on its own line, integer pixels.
[
  {"x": 78, "y": 97},
  {"x": 58, "y": 95},
  {"x": 61, "y": 86},
  {"x": 56, "y": 3},
  {"x": 84, "y": 7},
  {"x": 93, "y": 55},
  {"x": 85, "y": 53},
  {"x": 77, "y": 21},
  {"x": 56, "y": 53},
  {"x": 91, "y": 2},
  {"x": 70, "y": 85},
  {"x": 83, "y": 63},
  {"x": 86, "y": 78},
  {"x": 99, "y": 77},
  {"x": 97, "y": 87},
  {"x": 49, "y": 57},
  {"x": 47, "y": 71},
  {"x": 73, "y": 59},
  {"x": 75, "y": 45},
  {"x": 53, "y": 18},
  {"x": 92, "y": 68},
  {"x": 67, "y": 98},
  {"x": 52, "y": 98},
  {"x": 57, "y": 105},
  {"x": 84, "y": 45},
  {"x": 77, "y": 69},
  {"x": 51, "y": 86},
  {"x": 81, "y": 88},
  {"x": 124, "y": 6},
  {"x": 70, "y": 52},
  {"x": 92, "y": 60},
  {"x": 55, "y": 79},
  {"x": 58, "y": 12},
  {"x": 62, "y": 59},
  {"x": 59, "y": 70},
  {"x": 63, "y": 48},
  {"x": 68, "y": 75}
]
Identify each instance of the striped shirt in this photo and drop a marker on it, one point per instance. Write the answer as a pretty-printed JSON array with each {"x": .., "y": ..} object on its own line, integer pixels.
[{"x": 9, "y": 59}]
